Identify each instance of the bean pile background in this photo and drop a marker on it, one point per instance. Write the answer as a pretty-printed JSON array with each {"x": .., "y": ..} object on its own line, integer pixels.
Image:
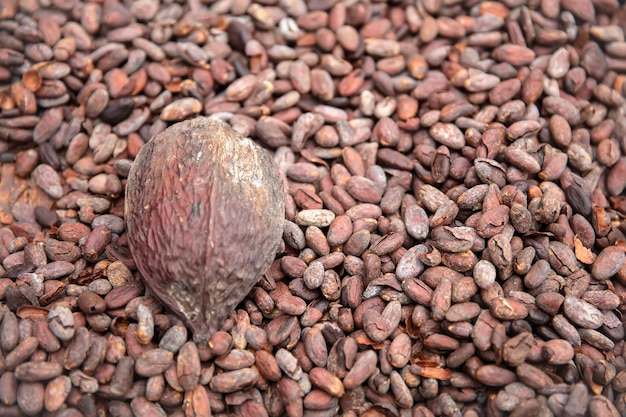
[{"x": 454, "y": 236}]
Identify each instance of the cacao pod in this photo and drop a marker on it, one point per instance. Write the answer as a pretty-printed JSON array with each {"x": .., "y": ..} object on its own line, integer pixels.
[{"x": 204, "y": 213}]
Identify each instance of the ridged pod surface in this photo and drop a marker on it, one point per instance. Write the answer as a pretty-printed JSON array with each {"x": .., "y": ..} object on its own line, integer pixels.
[{"x": 204, "y": 214}]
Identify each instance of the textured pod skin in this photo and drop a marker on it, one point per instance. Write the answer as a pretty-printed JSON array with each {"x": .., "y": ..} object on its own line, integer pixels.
[{"x": 204, "y": 214}]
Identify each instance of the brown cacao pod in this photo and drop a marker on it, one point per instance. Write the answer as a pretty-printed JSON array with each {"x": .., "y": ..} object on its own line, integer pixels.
[{"x": 204, "y": 214}]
